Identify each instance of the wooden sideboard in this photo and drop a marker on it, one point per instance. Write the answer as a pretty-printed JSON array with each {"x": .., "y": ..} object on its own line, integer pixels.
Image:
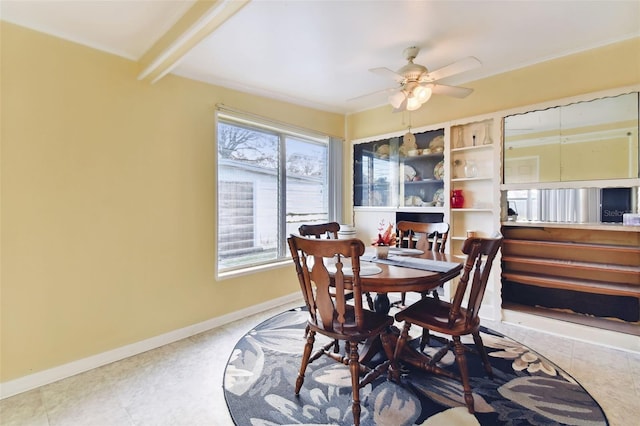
[{"x": 587, "y": 274}]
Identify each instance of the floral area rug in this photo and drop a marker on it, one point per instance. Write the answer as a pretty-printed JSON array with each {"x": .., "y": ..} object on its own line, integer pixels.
[{"x": 527, "y": 389}]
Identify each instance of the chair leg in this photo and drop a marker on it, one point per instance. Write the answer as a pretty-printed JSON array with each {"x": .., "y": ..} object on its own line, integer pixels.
[
  {"x": 369, "y": 301},
  {"x": 402, "y": 339},
  {"x": 435, "y": 294},
  {"x": 483, "y": 353},
  {"x": 354, "y": 367},
  {"x": 464, "y": 373},
  {"x": 403, "y": 297},
  {"x": 311, "y": 338},
  {"x": 424, "y": 340}
]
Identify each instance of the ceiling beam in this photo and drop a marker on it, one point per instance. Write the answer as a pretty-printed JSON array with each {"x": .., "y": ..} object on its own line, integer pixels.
[{"x": 204, "y": 17}]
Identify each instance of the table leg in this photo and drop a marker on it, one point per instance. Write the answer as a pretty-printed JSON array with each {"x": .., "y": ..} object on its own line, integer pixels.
[
  {"x": 381, "y": 303},
  {"x": 374, "y": 345}
]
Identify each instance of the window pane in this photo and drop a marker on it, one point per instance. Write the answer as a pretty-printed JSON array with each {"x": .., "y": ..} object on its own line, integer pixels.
[
  {"x": 307, "y": 200},
  {"x": 247, "y": 196}
]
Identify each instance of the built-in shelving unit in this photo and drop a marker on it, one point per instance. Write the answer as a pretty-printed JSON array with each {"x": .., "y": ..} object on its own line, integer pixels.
[
  {"x": 480, "y": 141},
  {"x": 399, "y": 177},
  {"x": 474, "y": 172}
]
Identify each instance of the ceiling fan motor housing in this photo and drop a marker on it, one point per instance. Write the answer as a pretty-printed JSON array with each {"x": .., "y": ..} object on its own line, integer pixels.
[{"x": 412, "y": 72}]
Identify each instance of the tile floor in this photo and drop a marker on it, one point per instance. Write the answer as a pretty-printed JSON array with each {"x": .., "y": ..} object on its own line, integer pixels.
[{"x": 181, "y": 383}]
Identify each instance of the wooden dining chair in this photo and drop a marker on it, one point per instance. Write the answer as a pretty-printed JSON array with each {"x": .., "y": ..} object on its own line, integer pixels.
[
  {"x": 423, "y": 236},
  {"x": 328, "y": 230},
  {"x": 320, "y": 266},
  {"x": 453, "y": 319}
]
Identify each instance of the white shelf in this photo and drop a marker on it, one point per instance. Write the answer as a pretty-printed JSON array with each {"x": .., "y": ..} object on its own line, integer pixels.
[
  {"x": 599, "y": 226},
  {"x": 420, "y": 209},
  {"x": 472, "y": 148},
  {"x": 462, "y": 210},
  {"x": 466, "y": 179},
  {"x": 604, "y": 183}
]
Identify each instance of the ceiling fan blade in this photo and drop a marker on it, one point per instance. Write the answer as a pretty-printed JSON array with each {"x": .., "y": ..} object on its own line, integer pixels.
[
  {"x": 377, "y": 92},
  {"x": 386, "y": 72},
  {"x": 455, "y": 91},
  {"x": 458, "y": 67},
  {"x": 402, "y": 107}
]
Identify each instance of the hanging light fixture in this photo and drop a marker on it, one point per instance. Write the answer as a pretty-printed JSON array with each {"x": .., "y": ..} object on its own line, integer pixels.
[
  {"x": 413, "y": 103},
  {"x": 411, "y": 97},
  {"x": 423, "y": 94}
]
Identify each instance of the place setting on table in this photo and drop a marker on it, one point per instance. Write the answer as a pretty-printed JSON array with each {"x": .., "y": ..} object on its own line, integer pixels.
[{"x": 388, "y": 250}]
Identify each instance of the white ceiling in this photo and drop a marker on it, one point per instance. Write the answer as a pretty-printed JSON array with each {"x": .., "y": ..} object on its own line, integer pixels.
[{"x": 317, "y": 53}]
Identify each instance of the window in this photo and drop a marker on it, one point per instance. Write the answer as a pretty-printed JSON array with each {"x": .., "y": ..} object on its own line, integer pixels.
[{"x": 271, "y": 179}]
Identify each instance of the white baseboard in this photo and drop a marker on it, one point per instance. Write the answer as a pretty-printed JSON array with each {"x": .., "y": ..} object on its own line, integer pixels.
[{"x": 41, "y": 378}]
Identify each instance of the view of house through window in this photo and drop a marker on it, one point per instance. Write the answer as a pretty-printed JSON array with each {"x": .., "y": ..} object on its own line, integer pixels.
[{"x": 270, "y": 181}]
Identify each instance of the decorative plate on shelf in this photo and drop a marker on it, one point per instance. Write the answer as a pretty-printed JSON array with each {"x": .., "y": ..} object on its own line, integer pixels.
[
  {"x": 383, "y": 150},
  {"x": 437, "y": 144},
  {"x": 438, "y": 171},
  {"x": 438, "y": 197},
  {"x": 409, "y": 173}
]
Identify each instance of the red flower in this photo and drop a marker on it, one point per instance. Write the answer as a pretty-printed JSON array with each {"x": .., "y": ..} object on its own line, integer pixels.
[{"x": 386, "y": 238}]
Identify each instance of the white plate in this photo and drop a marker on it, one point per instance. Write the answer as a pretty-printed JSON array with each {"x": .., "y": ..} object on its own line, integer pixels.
[
  {"x": 404, "y": 251},
  {"x": 438, "y": 197},
  {"x": 437, "y": 142},
  {"x": 365, "y": 269},
  {"x": 438, "y": 171},
  {"x": 409, "y": 173}
]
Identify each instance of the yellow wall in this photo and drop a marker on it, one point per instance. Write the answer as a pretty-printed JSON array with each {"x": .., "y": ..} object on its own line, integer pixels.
[
  {"x": 108, "y": 192},
  {"x": 108, "y": 203}
]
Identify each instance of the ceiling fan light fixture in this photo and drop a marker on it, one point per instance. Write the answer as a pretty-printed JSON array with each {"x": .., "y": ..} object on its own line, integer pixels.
[
  {"x": 413, "y": 103},
  {"x": 422, "y": 94},
  {"x": 397, "y": 98}
]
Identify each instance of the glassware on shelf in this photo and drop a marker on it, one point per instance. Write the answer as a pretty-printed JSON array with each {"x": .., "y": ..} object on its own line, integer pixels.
[
  {"x": 456, "y": 172},
  {"x": 459, "y": 138},
  {"x": 470, "y": 169},
  {"x": 457, "y": 199},
  {"x": 487, "y": 134}
]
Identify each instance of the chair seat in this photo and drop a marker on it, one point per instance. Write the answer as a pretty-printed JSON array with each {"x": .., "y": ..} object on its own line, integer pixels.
[
  {"x": 434, "y": 314},
  {"x": 374, "y": 323}
]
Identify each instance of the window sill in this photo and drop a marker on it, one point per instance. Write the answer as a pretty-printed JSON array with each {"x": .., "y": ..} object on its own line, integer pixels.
[{"x": 252, "y": 270}]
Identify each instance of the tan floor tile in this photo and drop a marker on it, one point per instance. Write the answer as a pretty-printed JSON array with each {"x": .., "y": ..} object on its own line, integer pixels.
[
  {"x": 181, "y": 383},
  {"x": 26, "y": 409}
]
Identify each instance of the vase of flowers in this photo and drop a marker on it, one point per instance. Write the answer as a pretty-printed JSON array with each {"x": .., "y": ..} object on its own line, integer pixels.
[
  {"x": 382, "y": 252},
  {"x": 386, "y": 238}
]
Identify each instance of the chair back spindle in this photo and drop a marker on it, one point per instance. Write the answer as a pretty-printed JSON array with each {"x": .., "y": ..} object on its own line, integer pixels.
[{"x": 432, "y": 236}]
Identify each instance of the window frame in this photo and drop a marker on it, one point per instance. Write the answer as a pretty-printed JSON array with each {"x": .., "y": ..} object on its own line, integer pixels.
[{"x": 333, "y": 182}]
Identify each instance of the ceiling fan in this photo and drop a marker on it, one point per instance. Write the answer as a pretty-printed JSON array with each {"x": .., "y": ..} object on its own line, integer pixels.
[{"x": 417, "y": 83}]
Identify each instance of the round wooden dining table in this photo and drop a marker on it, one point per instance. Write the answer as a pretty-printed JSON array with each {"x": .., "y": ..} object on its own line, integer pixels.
[{"x": 392, "y": 279}]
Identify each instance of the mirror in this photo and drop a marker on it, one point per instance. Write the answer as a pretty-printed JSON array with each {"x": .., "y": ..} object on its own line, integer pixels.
[{"x": 590, "y": 140}]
